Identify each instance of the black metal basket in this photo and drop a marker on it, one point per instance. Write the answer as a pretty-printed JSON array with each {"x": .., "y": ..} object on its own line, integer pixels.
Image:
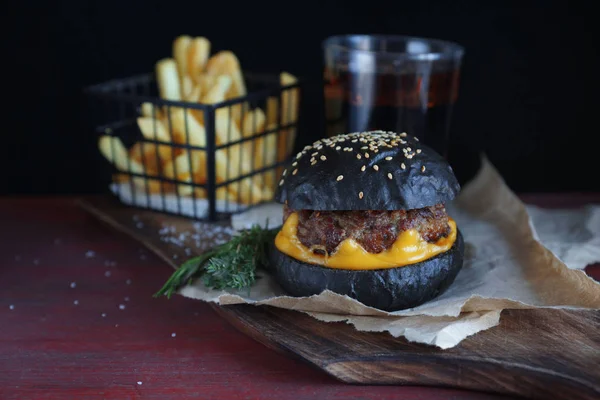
[{"x": 204, "y": 161}]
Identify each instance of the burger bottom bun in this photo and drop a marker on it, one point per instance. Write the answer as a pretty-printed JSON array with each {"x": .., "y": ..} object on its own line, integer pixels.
[{"x": 388, "y": 289}]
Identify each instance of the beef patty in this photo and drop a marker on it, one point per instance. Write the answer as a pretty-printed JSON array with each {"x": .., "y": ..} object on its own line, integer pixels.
[{"x": 375, "y": 231}]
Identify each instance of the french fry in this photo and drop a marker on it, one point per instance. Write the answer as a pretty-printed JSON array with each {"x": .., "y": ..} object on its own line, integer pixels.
[
  {"x": 272, "y": 111},
  {"x": 236, "y": 111},
  {"x": 151, "y": 111},
  {"x": 187, "y": 86},
  {"x": 196, "y": 134},
  {"x": 154, "y": 185},
  {"x": 194, "y": 95},
  {"x": 206, "y": 82},
  {"x": 115, "y": 152},
  {"x": 222, "y": 194},
  {"x": 198, "y": 52},
  {"x": 248, "y": 192},
  {"x": 153, "y": 129},
  {"x": 204, "y": 85},
  {"x": 181, "y": 123},
  {"x": 180, "y": 50},
  {"x": 188, "y": 130},
  {"x": 227, "y": 130},
  {"x": 181, "y": 168},
  {"x": 183, "y": 189},
  {"x": 254, "y": 122},
  {"x": 188, "y": 190},
  {"x": 265, "y": 155},
  {"x": 167, "y": 76},
  {"x": 226, "y": 63},
  {"x": 289, "y": 115},
  {"x": 217, "y": 92},
  {"x": 146, "y": 154},
  {"x": 120, "y": 178}
]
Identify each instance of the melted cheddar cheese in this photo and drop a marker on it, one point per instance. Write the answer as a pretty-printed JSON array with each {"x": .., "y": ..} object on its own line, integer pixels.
[{"x": 409, "y": 248}]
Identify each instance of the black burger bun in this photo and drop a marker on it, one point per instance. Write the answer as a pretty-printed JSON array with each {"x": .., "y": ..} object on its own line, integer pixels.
[
  {"x": 374, "y": 170},
  {"x": 385, "y": 289}
]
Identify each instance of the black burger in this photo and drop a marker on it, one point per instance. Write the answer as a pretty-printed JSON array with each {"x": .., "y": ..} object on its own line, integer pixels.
[{"x": 364, "y": 216}]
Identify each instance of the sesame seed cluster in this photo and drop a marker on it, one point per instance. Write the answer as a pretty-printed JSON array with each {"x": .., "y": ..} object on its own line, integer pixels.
[{"x": 364, "y": 146}]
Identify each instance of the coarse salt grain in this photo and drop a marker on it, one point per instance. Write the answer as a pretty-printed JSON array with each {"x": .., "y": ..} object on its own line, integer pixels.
[
  {"x": 173, "y": 334},
  {"x": 121, "y": 306},
  {"x": 139, "y": 382},
  {"x": 90, "y": 254},
  {"x": 107, "y": 274},
  {"x": 73, "y": 285},
  {"x": 11, "y": 307},
  {"x": 103, "y": 315},
  {"x": 76, "y": 302}
]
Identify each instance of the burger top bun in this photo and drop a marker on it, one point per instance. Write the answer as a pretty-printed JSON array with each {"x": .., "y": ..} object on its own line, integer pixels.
[{"x": 374, "y": 170}]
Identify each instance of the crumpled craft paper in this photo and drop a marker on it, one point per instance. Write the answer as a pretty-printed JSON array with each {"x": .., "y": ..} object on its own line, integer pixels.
[
  {"x": 508, "y": 265},
  {"x": 572, "y": 235}
]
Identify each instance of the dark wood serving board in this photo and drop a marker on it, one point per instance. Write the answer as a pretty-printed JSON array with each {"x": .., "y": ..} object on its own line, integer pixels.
[{"x": 538, "y": 354}]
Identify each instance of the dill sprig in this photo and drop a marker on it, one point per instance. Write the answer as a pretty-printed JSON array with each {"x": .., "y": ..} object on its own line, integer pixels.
[{"x": 231, "y": 265}]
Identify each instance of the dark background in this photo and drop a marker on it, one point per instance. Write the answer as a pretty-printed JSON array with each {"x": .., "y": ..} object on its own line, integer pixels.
[{"x": 527, "y": 95}]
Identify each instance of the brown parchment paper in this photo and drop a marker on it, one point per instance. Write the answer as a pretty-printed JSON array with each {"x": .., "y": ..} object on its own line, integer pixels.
[{"x": 506, "y": 267}]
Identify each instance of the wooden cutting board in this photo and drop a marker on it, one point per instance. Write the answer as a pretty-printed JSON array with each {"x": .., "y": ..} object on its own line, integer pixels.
[{"x": 537, "y": 354}]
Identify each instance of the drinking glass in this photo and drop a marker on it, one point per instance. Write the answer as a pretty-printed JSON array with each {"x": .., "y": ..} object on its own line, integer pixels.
[{"x": 392, "y": 83}]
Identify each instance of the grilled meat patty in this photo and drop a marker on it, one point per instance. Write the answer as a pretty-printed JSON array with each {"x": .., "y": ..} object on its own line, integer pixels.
[{"x": 375, "y": 231}]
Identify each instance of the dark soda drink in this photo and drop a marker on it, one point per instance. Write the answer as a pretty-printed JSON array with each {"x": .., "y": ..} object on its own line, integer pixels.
[
  {"x": 419, "y": 104},
  {"x": 392, "y": 83}
]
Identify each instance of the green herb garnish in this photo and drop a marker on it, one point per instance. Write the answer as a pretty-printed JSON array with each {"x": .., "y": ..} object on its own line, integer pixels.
[{"x": 231, "y": 265}]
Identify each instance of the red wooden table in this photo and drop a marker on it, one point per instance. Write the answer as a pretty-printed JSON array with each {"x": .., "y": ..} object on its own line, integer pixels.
[{"x": 78, "y": 321}]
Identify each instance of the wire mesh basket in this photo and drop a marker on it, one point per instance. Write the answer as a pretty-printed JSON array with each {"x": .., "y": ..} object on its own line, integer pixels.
[{"x": 204, "y": 161}]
